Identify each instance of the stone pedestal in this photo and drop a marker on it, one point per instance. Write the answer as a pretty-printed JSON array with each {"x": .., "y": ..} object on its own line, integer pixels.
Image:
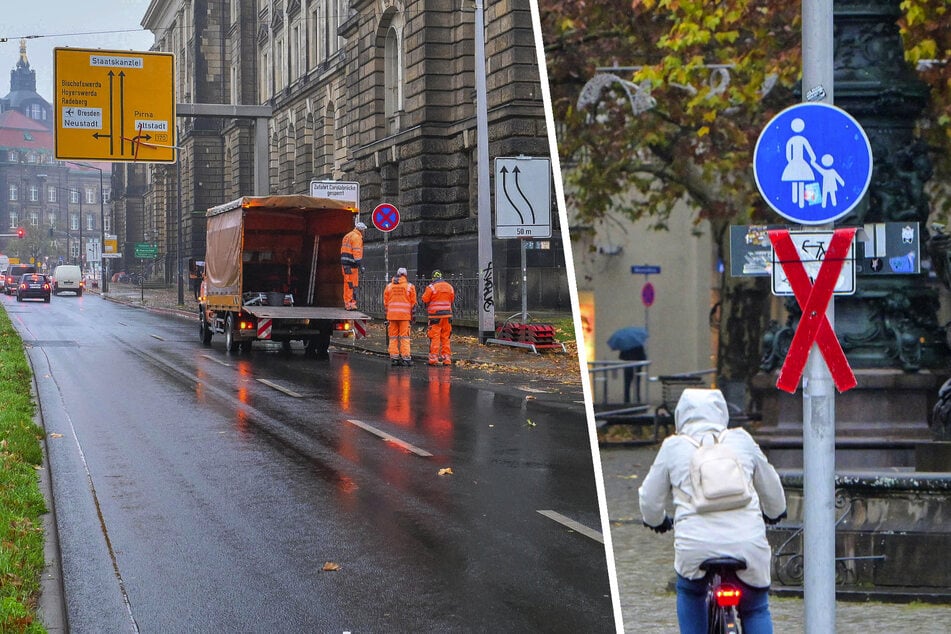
[
  {"x": 889, "y": 527},
  {"x": 934, "y": 456},
  {"x": 878, "y": 424}
]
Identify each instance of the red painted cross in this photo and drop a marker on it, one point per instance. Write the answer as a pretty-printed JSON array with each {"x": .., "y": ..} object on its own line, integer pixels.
[{"x": 814, "y": 326}]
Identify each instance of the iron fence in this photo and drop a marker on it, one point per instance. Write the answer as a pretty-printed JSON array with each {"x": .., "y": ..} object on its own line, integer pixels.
[{"x": 465, "y": 308}]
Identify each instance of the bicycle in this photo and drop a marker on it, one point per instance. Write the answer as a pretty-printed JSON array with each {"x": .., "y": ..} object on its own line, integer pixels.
[{"x": 723, "y": 594}]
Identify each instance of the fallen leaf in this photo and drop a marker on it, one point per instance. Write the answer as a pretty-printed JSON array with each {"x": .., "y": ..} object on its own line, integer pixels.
[
  {"x": 529, "y": 423},
  {"x": 630, "y": 477},
  {"x": 529, "y": 398},
  {"x": 446, "y": 471},
  {"x": 55, "y": 435},
  {"x": 331, "y": 566}
]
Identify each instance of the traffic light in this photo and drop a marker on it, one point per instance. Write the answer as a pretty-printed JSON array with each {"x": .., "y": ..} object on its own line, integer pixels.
[{"x": 21, "y": 232}]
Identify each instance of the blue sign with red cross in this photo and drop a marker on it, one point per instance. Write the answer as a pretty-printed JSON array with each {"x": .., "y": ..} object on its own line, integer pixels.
[{"x": 386, "y": 217}]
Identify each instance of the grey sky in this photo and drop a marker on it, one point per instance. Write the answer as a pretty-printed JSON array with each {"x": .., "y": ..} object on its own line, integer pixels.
[{"x": 75, "y": 23}]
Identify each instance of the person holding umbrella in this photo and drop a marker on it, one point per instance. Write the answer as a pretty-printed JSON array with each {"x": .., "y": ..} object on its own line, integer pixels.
[{"x": 630, "y": 342}]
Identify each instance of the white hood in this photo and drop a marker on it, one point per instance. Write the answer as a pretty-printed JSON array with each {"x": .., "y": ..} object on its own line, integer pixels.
[{"x": 700, "y": 411}]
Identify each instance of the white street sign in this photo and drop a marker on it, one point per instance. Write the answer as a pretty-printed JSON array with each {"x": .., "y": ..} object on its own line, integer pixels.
[
  {"x": 522, "y": 197},
  {"x": 812, "y": 246},
  {"x": 347, "y": 191}
]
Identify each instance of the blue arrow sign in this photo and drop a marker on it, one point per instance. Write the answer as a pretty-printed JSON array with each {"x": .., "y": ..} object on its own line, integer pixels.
[{"x": 813, "y": 163}]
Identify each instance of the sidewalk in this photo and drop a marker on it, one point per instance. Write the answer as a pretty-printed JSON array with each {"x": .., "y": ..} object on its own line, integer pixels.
[{"x": 466, "y": 350}]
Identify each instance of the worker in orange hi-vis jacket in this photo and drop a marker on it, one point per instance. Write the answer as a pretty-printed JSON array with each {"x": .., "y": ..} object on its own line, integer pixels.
[
  {"x": 399, "y": 299},
  {"x": 351, "y": 261},
  {"x": 438, "y": 298}
]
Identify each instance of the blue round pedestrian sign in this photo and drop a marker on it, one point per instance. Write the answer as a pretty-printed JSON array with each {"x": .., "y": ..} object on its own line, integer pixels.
[{"x": 813, "y": 163}]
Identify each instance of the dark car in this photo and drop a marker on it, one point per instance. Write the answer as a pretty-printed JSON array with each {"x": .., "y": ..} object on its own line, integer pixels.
[
  {"x": 34, "y": 286},
  {"x": 12, "y": 277}
]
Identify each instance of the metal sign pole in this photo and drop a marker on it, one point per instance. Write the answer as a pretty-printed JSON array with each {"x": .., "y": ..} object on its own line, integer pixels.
[
  {"x": 524, "y": 282},
  {"x": 818, "y": 397},
  {"x": 486, "y": 266}
]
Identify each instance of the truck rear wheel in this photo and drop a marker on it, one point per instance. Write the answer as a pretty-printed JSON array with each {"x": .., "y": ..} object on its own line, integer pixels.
[
  {"x": 319, "y": 345},
  {"x": 231, "y": 345},
  {"x": 204, "y": 329}
]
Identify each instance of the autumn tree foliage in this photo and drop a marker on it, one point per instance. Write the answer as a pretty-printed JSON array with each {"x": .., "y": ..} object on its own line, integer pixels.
[
  {"x": 926, "y": 30},
  {"x": 699, "y": 81}
]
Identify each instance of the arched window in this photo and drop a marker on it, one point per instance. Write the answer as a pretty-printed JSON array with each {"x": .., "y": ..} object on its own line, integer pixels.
[
  {"x": 329, "y": 140},
  {"x": 392, "y": 80}
]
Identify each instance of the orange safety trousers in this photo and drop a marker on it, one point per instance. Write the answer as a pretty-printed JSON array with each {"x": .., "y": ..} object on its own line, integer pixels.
[
  {"x": 440, "y": 328},
  {"x": 398, "y": 330},
  {"x": 351, "y": 281}
]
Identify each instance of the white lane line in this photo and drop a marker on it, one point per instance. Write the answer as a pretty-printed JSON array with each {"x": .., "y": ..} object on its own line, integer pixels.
[
  {"x": 216, "y": 360},
  {"x": 281, "y": 388},
  {"x": 578, "y": 527},
  {"x": 390, "y": 438},
  {"x": 157, "y": 337}
]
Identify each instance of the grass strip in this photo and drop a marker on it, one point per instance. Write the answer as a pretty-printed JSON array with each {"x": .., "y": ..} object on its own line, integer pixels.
[{"x": 21, "y": 502}]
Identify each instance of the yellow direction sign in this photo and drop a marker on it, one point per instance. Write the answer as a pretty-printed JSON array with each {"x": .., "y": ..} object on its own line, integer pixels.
[{"x": 114, "y": 105}]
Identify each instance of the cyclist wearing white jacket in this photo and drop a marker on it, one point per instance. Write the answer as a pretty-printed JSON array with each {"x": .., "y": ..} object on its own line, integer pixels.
[{"x": 739, "y": 532}]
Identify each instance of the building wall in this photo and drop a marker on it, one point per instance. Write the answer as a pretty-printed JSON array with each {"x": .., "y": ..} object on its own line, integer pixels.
[
  {"x": 381, "y": 94},
  {"x": 681, "y": 339}
]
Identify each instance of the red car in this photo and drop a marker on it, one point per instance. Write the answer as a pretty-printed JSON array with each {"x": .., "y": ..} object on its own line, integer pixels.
[{"x": 12, "y": 278}]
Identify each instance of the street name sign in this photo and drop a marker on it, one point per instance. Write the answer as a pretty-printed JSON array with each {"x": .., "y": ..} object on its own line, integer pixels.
[
  {"x": 813, "y": 163},
  {"x": 114, "y": 105},
  {"x": 522, "y": 197},
  {"x": 813, "y": 296},
  {"x": 146, "y": 251},
  {"x": 345, "y": 191}
]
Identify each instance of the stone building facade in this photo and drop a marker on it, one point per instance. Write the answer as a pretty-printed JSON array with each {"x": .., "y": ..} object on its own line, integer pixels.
[
  {"x": 379, "y": 92},
  {"x": 59, "y": 204}
]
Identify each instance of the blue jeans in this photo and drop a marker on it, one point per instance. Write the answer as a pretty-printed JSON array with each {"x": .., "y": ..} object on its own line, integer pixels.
[{"x": 692, "y": 607}]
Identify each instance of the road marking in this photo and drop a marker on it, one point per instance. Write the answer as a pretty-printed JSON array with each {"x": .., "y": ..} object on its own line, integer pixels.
[
  {"x": 532, "y": 389},
  {"x": 216, "y": 360},
  {"x": 157, "y": 337},
  {"x": 390, "y": 438},
  {"x": 281, "y": 388},
  {"x": 578, "y": 527}
]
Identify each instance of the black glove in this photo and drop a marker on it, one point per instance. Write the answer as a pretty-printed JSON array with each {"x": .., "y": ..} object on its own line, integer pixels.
[
  {"x": 663, "y": 527},
  {"x": 775, "y": 520}
]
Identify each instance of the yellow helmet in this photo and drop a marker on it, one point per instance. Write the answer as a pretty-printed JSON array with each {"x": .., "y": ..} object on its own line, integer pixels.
[{"x": 437, "y": 274}]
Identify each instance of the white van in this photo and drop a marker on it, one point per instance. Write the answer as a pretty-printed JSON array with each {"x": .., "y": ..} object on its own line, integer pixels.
[{"x": 68, "y": 277}]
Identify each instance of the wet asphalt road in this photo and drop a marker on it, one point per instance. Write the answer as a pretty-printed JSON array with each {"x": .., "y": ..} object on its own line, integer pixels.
[
  {"x": 200, "y": 491},
  {"x": 645, "y": 570}
]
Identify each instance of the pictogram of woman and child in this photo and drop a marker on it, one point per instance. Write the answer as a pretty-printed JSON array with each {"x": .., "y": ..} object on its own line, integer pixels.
[{"x": 806, "y": 186}]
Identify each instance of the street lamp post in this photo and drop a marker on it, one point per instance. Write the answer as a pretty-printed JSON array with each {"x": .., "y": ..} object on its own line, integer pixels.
[{"x": 103, "y": 272}]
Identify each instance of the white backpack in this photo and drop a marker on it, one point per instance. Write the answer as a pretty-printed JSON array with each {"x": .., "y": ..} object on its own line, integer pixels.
[{"x": 717, "y": 477}]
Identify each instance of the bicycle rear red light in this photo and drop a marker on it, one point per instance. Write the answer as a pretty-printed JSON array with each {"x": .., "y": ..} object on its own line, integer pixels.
[{"x": 727, "y": 596}]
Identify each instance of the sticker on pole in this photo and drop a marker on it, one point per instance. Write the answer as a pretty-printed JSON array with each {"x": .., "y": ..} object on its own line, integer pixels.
[{"x": 813, "y": 163}]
